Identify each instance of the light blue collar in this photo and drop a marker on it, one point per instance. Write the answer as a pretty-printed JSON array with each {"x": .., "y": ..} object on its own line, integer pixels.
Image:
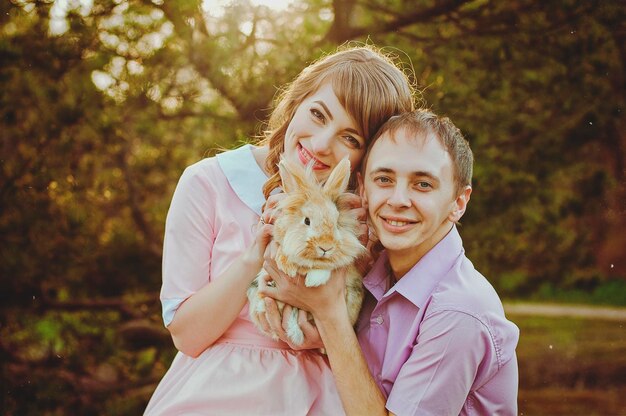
[{"x": 244, "y": 175}]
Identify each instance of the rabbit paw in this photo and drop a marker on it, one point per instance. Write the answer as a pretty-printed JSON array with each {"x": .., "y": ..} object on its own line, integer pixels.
[
  {"x": 256, "y": 307},
  {"x": 294, "y": 332},
  {"x": 316, "y": 277}
]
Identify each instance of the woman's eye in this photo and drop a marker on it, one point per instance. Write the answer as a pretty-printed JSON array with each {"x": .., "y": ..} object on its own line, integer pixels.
[
  {"x": 424, "y": 185},
  {"x": 317, "y": 114},
  {"x": 382, "y": 179},
  {"x": 354, "y": 142}
]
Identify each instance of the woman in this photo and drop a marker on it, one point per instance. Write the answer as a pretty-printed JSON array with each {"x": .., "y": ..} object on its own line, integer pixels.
[{"x": 214, "y": 244}]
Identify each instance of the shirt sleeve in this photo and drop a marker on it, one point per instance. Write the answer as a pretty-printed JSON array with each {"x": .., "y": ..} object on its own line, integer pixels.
[
  {"x": 188, "y": 241},
  {"x": 451, "y": 348}
]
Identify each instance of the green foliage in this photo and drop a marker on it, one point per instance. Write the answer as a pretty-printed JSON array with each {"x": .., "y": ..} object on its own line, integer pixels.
[
  {"x": 611, "y": 292},
  {"x": 98, "y": 120}
]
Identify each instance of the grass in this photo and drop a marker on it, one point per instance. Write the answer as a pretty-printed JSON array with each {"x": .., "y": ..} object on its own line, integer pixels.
[
  {"x": 571, "y": 366},
  {"x": 611, "y": 292}
]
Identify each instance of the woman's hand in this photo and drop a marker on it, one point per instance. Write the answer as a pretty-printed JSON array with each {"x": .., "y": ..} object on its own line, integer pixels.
[
  {"x": 353, "y": 202},
  {"x": 253, "y": 255},
  {"x": 264, "y": 229},
  {"x": 271, "y": 209},
  {"x": 274, "y": 322}
]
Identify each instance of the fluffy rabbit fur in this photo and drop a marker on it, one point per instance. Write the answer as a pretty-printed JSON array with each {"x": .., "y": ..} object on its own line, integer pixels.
[{"x": 316, "y": 235}]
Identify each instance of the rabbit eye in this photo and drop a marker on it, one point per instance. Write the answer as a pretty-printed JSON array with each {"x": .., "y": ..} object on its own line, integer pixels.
[{"x": 307, "y": 221}]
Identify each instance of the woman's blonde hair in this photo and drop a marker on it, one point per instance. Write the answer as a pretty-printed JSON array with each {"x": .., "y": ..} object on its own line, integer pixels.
[{"x": 369, "y": 85}]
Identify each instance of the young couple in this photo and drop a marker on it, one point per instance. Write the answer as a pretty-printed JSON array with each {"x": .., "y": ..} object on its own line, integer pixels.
[{"x": 432, "y": 337}]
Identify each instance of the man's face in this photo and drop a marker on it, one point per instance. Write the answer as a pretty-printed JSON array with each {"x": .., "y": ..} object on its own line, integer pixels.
[{"x": 410, "y": 194}]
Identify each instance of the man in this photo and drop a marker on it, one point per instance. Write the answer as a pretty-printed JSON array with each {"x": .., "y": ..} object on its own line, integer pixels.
[{"x": 432, "y": 338}]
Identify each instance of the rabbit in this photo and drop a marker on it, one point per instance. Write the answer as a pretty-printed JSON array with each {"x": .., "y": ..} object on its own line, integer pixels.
[{"x": 315, "y": 235}]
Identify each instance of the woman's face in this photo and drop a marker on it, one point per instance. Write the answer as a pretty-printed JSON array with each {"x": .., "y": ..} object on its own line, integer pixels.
[{"x": 322, "y": 130}]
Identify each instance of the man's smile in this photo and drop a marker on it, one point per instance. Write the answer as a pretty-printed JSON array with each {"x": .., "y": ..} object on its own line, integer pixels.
[{"x": 397, "y": 224}]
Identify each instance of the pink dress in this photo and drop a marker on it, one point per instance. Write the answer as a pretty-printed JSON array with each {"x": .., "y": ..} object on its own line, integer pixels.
[{"x": 215, "y": 206}]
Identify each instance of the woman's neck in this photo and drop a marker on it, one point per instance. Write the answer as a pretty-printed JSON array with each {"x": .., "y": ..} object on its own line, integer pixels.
[{"x": 260, "y": 155}]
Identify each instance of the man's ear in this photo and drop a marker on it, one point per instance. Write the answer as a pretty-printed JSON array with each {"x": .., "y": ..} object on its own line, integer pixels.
[
  {"x": 460, "y": 204},
  {"x": 359, "y": 179}
]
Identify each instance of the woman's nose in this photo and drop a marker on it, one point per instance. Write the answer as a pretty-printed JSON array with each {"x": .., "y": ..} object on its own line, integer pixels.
[{"x": 321, "y": 142}]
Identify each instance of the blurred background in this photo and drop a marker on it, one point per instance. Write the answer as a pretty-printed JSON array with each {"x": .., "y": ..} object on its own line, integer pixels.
[{"x": 104, "y": 103}]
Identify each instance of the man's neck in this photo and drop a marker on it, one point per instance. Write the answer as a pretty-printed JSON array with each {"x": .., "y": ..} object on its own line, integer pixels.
[{"x": 401, "y": 261}]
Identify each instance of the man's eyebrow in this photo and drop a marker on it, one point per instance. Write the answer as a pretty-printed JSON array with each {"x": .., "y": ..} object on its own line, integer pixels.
[
  {"x": 330, "y": 115},
  {"x": 422, "y": 173},
  {"x": 381, "y": 170}
]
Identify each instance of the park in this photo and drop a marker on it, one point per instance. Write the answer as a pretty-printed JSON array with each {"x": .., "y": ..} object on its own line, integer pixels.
[{"x": 104, "y": 103}]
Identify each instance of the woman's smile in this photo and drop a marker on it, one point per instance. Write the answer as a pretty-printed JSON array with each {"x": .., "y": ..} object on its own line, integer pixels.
[{"x": 305, "y": 157}]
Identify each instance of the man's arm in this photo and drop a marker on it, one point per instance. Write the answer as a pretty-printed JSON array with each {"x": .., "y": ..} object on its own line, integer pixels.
[
  {"x": 438, "y": 375},
  {"x": 359, "y": 392}
]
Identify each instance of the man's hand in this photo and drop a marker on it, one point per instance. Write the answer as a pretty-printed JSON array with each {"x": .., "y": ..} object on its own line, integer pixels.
[{"x": 324, "y": 300}]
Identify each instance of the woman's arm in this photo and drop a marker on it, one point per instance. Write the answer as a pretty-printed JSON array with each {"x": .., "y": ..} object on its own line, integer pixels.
[
  {"x": 203, "y": 317},
  {"x": 198, "y": 307}
]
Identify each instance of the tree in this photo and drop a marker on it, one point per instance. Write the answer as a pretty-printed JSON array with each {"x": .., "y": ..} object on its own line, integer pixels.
[{"x": 103, "y": 106}]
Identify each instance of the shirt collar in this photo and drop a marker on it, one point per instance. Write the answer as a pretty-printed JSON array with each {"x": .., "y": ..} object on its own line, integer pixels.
[
  {"x": 419, "y": 282},
  {"x": 376, "y": 279},
  {"x": 244, "y": 175}
]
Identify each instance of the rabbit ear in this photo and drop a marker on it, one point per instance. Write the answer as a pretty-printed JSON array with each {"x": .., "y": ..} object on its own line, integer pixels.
[
  {"x": 337, "y": 182},
  {"x": 292, "y": 176}
]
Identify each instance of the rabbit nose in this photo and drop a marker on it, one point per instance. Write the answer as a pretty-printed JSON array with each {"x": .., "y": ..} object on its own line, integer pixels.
[{"x": 325, "y": 250}]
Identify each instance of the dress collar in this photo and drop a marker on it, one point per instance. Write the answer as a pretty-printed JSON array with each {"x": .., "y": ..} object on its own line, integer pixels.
[
  {"x": 244, "y": 175},
  {"x": 419, "y": 282}
]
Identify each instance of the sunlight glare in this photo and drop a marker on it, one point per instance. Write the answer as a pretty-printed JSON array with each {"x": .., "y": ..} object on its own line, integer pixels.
[
  {"x": 59, "y": 10},
  {"x": 216, "y": 7}
]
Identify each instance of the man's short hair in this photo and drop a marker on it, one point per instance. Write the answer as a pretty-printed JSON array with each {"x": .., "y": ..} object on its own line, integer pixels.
[{"x": 423, "y": 123}]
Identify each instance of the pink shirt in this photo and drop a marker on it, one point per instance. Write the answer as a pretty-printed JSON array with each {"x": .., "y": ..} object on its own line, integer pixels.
[
  {"x": 209, "y": 223},
  {"x": 437, "y": 342}
]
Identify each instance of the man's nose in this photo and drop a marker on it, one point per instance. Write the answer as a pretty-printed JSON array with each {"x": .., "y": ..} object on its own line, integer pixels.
[{"x": 399, "y": 197}]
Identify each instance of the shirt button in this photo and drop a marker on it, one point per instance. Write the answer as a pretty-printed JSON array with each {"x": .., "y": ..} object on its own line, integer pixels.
[{"x": 379, "y": 320}]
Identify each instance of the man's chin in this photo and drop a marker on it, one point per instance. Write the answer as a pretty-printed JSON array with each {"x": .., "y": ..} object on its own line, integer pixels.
[{"x": 394, "y": 243}]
